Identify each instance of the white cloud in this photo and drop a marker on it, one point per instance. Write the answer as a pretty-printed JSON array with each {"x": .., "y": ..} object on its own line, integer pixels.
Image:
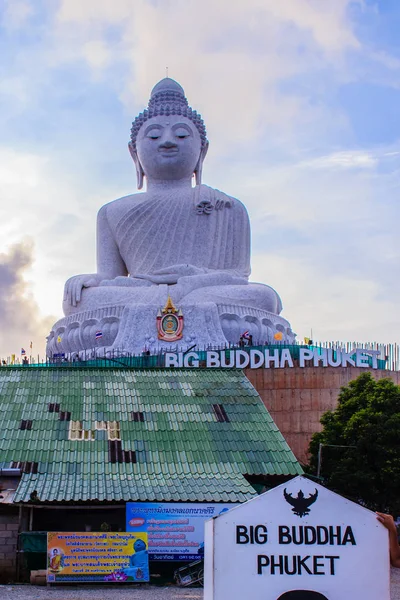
[
  {"x": 48, "y": 206},
  {"x": 20, "y": 320},
  {"x": 325, "y": 237},
  {"x": 383, "y": 58},
  {"x": 323, "y": 217},
  {"x": 335, "y": 307},
  {"x": 328, "y": 23},
  {"x": 17, "y": 13},
  {"x": 76, "y": 11},
  {"x": 343, "y": 160},
  {"x": 230, "y": 56},
  {"x": 14, "y": 91},
  {"x": 97, "y": 54}
]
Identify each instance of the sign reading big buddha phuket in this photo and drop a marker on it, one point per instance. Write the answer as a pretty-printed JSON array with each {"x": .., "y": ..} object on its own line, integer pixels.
[
  {"x": 278, "y": 358},
  {"x": 298, "y": 541}
]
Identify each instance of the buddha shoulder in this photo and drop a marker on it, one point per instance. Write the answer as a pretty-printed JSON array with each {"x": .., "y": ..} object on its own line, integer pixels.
[
  {"x": 114, "y": 210},
  {"x": 218, "y": 199},
  {"x": 204, "y": 198}
]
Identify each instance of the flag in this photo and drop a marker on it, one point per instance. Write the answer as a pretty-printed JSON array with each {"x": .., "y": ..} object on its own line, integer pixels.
[
  {"x": 59, "y": 339},
  {"x": 99, "y": 334},
  {"x": 278, "y": 335},
  {"x": 13, "y": 359},
  {"x": 23, "y": 352},
  {"x": 246, "y": 333},
  {"x": 307, "y": 341}
]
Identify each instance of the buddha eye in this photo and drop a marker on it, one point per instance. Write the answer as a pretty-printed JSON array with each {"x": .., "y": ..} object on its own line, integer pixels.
[
  {"x": 154, "y": 134},
  {"x": 182, "y": 133}
]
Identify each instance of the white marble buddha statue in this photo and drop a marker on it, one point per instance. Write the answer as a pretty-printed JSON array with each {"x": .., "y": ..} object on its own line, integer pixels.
[{"x": 187, "y": 242}]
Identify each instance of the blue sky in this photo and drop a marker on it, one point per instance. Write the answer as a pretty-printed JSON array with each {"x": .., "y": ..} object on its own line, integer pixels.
[{"x": 301, "y": 100}]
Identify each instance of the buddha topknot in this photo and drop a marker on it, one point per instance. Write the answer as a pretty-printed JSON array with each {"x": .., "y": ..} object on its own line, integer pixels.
[{"x": 168, "y": 98}]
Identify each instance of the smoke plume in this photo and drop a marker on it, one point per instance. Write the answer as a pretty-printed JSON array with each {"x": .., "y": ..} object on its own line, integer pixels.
[{"x": 20, "y": 319}]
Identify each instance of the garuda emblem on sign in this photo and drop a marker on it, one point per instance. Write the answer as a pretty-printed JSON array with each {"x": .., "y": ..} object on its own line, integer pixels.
[
  {"x": 169, "y": 322},
  {"x": 301, "y": 504}
]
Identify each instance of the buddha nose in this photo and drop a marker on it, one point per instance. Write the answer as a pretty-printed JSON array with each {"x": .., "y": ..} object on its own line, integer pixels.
[{"x": 167, "y": 144}]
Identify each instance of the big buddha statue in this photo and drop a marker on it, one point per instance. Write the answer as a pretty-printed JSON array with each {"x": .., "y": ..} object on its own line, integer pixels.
[{"x": 173, "y": 261}]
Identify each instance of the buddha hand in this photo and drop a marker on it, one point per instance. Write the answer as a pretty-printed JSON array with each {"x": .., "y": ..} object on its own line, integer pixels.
[
  {"x": 170, "y": 275},
  {"x": 74, "y": 285}
]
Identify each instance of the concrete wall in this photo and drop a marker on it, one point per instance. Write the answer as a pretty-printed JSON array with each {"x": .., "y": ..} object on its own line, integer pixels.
[
  {"x": 296, "y": 398},
  {"x": 8, "y": 544}
]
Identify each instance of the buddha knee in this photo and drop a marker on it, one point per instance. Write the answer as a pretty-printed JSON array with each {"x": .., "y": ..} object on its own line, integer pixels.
[
  {"x": 253, "y": 295},
  {"x": 266, "y": 298},
  {"x": 99, "y": 297}
]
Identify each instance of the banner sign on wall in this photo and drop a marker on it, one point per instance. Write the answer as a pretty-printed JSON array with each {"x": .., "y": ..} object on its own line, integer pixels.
[
  {"x": 297, "y": 541},
  {"x": 175, "y": 530},
  {"x": 98, "y": 557},
  {"x": 278, "y": 358}
]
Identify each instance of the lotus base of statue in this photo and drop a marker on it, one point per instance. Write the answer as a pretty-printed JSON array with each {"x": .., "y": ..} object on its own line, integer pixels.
[{"x": 131, "y": 330}]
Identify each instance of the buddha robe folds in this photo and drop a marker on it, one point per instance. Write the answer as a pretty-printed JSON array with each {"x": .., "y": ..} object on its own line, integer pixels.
[
  {"x": 195, "y": 249},
  {"x": 156, "y": 235}
]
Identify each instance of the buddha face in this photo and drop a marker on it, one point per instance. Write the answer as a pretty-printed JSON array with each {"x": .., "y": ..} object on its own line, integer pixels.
[{"x": 168, "y": 148}]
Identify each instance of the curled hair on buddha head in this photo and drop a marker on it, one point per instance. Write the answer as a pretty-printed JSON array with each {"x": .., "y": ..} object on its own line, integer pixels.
[
  {"x": 302, "y": 595},
  {"x": 168, "y": 98}
]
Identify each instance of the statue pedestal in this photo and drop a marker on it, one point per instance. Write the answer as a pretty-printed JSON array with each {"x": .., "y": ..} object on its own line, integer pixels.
[{"x": 118, "y": 330}]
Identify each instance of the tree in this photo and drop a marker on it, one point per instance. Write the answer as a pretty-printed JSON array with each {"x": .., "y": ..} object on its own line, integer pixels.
[{"x": 367, "y": 423}]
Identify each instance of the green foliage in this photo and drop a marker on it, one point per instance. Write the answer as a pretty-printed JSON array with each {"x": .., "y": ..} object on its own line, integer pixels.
[{"x": 368, "y": 420}]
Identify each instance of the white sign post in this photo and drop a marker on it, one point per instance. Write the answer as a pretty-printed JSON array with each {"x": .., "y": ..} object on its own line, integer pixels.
[{"x": 298, "y": 541}]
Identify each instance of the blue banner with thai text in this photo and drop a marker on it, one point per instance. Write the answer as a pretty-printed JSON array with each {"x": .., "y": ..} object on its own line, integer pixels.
[{"x": 175, "y": 530}]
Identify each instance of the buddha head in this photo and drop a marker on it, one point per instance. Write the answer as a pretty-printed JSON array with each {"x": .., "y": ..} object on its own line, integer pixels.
[{"x": 168, "y": 139}]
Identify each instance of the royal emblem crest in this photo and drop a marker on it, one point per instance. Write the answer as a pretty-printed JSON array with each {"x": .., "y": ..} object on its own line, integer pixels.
[
  {"x": 301, "y": 504},
  {"x": 169, "y": 322}
]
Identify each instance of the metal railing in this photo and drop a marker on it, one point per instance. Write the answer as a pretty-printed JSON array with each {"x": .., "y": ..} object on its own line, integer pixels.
[{"x": 389, "y": 359}]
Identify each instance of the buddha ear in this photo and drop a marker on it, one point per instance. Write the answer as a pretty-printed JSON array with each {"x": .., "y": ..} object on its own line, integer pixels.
[
  {"x": 199, "y": 167},
  {"x": 138, "y": 166}
]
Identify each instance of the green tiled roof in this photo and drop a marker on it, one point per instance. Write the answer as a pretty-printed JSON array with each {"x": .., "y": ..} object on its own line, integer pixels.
[{"x": 182, "y": 451}]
